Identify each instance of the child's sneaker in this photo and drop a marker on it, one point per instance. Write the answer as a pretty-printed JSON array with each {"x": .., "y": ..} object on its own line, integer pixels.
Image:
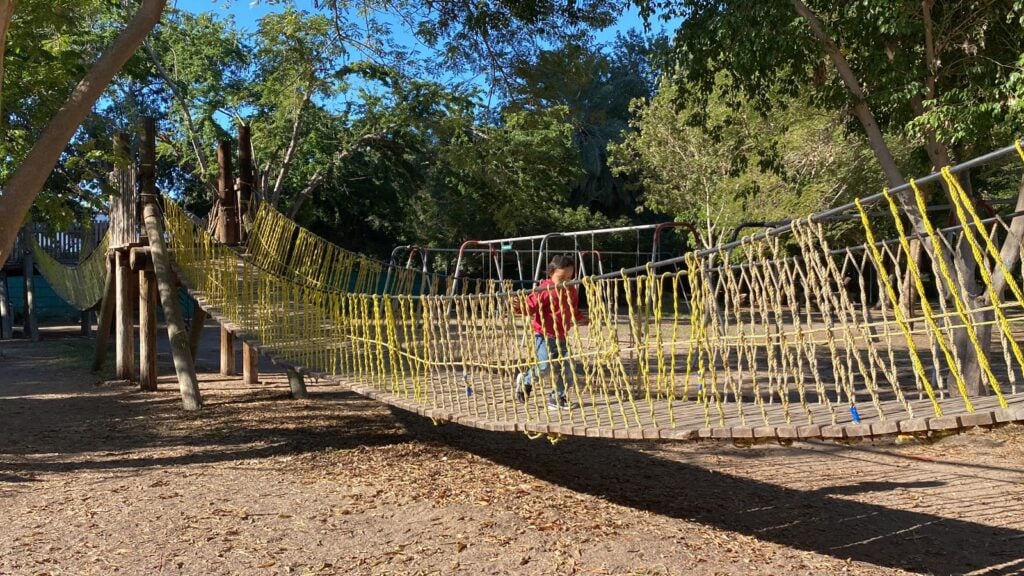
[
  {"x": 561, "y": 404},
  {"x": 522, "y": 389}
]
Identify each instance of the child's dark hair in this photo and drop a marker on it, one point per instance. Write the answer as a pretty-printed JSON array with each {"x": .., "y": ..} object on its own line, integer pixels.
[{"x": 561, "y": 261}]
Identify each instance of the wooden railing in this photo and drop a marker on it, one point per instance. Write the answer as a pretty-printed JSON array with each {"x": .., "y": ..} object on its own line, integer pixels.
[{"x": 65, "y": 246}]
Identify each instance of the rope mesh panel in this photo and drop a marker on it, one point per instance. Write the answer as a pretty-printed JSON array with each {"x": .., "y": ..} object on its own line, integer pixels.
[
  {"x": 80, "y": 286},
  {"x": 780, "y": 337}
]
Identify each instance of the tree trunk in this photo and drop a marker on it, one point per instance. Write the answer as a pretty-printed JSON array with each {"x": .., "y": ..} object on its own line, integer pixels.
[
  {"x": 6, "y": 13},
  {"x": 176, "y": 333},
  {"x": 938, "y": 154},
  {"x": 28, "y": 179}
]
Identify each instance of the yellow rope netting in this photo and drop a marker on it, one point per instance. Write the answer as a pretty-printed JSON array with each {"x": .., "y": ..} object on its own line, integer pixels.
[
  {"x": 778, "y": 337},
  {"x": 281, "y": 247},
  {"x": 80, "y": 285}
]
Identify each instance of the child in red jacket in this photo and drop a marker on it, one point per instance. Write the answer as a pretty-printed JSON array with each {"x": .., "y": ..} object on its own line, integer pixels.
[{"x": 553, "y": 308}]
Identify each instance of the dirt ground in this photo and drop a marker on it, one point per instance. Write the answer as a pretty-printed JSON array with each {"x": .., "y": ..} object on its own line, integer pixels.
[{"x": 105, "y": 479}]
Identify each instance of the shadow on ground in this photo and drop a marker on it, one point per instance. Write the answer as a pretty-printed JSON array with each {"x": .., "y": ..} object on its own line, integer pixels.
[
  {"x": 814, "y": 520},
  {"x": 51, "y": 434}
]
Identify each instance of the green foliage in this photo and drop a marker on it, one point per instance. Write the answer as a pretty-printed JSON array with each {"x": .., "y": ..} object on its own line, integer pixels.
[
  {"x": 49, "y": 47},
  {"x": 487, "y": 182},
  {"x": 720, "y": 177},
  {"x": 596, "y": 89},
  {"x": 962, "y": 78}
]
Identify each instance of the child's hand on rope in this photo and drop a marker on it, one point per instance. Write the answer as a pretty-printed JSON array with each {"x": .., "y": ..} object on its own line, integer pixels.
[{"x": 517, "y": 306}]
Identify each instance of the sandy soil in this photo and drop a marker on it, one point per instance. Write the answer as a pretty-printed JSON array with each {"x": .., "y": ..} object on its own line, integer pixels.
[{"x": 104, "y": 479}]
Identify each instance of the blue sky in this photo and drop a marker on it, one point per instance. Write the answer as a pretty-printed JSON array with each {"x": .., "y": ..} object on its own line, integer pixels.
[{"x": 247, "y": 12}]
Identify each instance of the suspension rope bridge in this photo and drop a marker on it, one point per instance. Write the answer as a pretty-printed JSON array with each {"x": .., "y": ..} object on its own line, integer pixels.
[{"x": 778, "y": 336}]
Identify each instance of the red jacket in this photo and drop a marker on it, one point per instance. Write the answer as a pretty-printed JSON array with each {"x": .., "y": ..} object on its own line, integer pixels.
[{"x": 553, "y": 309}]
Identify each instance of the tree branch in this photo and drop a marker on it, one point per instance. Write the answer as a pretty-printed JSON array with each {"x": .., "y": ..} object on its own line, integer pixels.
[
  {"x": 28, "y": 179},
  {"x": 204, "y": 169},
  {"x": 293, "y": 145}
]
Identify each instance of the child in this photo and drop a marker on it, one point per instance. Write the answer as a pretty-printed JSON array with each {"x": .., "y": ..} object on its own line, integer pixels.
[{"x": 553, "y": 308}]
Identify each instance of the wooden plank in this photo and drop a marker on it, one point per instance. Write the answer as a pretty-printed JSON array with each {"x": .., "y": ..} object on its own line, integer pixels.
[
  {"x": 986, "y": 418},
  {"x": 913, "y": 425},
  {"x": 944, "y": 423},
  {"x": 124, "y": 326},
  {"x": 147, "y": 330},
  {"x": 833, "y": 432},
  {"x": 808, "y": 431},
  {"x": 787, "y": 432},
  {"x": 887, "y": 428}
]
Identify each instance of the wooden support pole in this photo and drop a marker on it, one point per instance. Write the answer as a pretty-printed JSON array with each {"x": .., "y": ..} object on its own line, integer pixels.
[
  {"x": 227, "y": 352},
  {"x": 6, "y": 310},
  {"x": 141, "y": 261},
  {"x": 246, "y": 175},
  {"x": 124, "y": 325},
  {"x": 85, "y": 318},
  {"x": 196, "y": 332},
  {"x": 296, "y": 383},
  {"x": 28, "y": 272},
  {"x": 147, "y": 330},
  {"x": 227, "y": 233},
  {"x": 227, "y": 226},
  {"x": 183, "y": 365},
  {"x": 250, "y": 364},
  {"x": 106, "y": 319}
]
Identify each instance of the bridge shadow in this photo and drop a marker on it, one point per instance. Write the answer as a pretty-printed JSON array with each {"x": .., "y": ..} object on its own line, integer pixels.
[{"x": 813, "y": 520}]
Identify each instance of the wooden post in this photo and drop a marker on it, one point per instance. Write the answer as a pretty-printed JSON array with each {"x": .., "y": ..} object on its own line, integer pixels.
[
  {"x": 227, "y": 352},
  {"x": 28, "y": 271},
  {"x": 106, "y": 318},
  {"x": 147, "y": 329},
  {"x": 183, "y": 365},
  {"x": 6, "y": 310},
  {"x": 85, "y": 318},
  {"x": 250, "y": 364},
  {"x": 245, "y": 181},
  {"x": 124, "y": 338},
  {"x": 147, "y": 160},
  {"x": 296, "y": 383},
  {"x": 141, "y": 262},
  {"x": 250, "y": 359},
  {"x": 196, "y": 332},
  {"x": 86, "y": 245},
  {"x": 227, "y": 233},
  {"x": 227, "y": 226}
]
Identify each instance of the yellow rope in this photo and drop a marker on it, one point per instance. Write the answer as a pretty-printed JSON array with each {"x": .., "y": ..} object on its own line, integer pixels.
[
  {"x": 746, "y": 337},
  {"x": 80, "y": 285}
]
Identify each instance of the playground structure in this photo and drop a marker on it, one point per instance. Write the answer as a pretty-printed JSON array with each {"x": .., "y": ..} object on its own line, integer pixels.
[
  {"x": 776, "y": 336},
  {"x": 498, "y": 253}
]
